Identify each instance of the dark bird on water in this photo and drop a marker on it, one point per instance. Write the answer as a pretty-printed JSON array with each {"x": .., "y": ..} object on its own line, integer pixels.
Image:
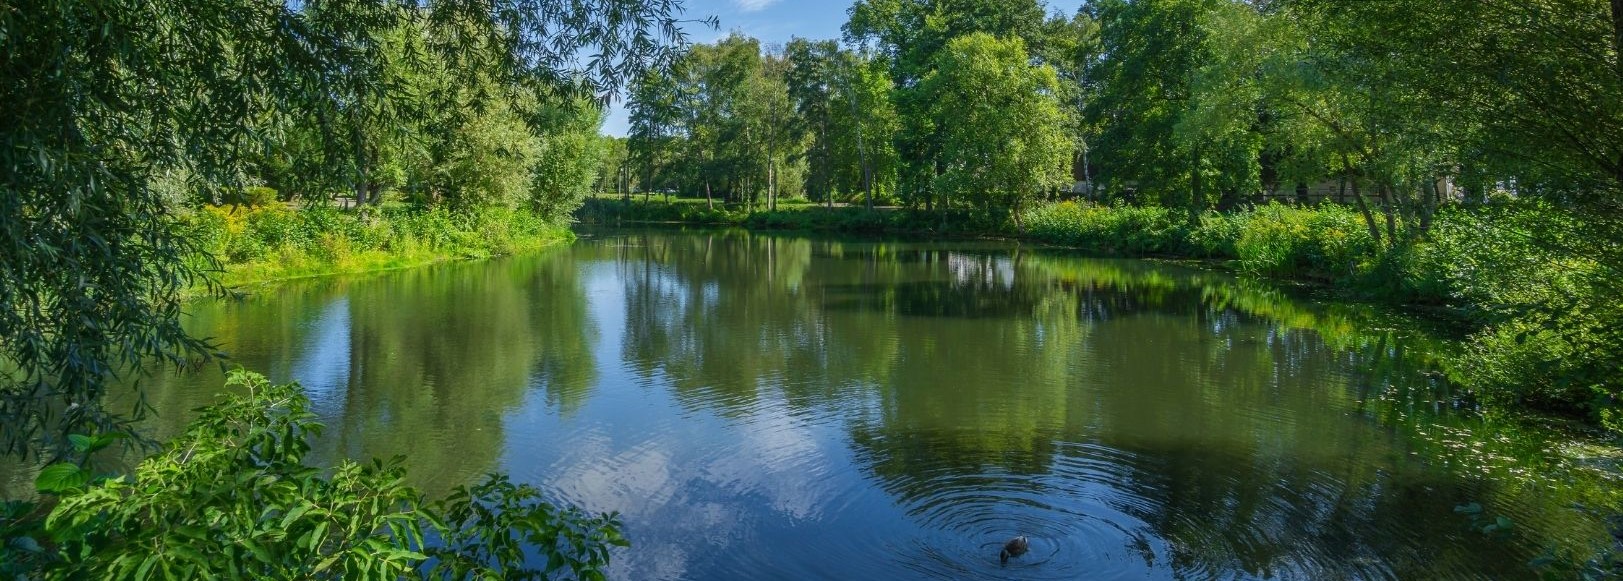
[{"x": 1015, "y": 547}]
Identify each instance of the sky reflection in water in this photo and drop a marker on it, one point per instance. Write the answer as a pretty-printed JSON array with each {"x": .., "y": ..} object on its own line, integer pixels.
[{"x": 784, "y": 407}]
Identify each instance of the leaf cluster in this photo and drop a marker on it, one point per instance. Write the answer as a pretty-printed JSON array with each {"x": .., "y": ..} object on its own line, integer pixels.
[{"x": 234, "y": 497}]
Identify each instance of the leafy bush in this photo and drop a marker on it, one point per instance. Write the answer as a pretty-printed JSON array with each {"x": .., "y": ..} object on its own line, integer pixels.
[
  {"x": 1553, "y": 326},
  {"x": 812, "y": 218},
  {"x": 1328, "y": 242},
  {"x": 234, "y": 498},
  {"x": 254, "y": 197},
  {"x": 1124, "y": 230},
  {"x": 616, "y": 210},
  {"x": 277, "y": 241}
]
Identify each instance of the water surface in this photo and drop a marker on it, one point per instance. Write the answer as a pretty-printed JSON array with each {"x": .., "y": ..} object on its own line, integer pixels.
[{"x": 782, "y": 407}]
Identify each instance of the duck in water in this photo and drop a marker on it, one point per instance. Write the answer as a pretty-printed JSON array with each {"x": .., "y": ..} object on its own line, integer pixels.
[{"x": 1015, "y": 547}]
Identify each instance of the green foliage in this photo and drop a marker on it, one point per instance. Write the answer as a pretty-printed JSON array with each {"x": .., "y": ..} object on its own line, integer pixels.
[
  {"x": 617, "y": 211},
  {"x": 845, "y": 220},
  {"x": 234, "y": 498},
  {"x": 1110, "y": 230},
  {"x": 909, "y": 36},
  {"x": 1000, "y": 128},
  {"x": 1548, "y": 333},
  {"x": 1177, "y": 101},
  {"x": 110, "y": 106},
  {"x": 720, "y": 124},
  {"x": 800, "y": 216},
  {"x": 486, "y": 160},
  {"x": 915, "y": 31},
  {"x": 1553, "y": 338},
  {"x": 857, "y": 140},
  {"x": 567, "y": 165},
  {"x": 1328, "y": 243},
  {"x": 279, "y": 242},
  {"x": 498, "y": 522},
  {"x": 253, "y": 197}
]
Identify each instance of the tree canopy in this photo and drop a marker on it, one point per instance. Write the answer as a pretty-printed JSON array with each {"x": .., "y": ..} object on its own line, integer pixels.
[{"x": 106, "y": 102}]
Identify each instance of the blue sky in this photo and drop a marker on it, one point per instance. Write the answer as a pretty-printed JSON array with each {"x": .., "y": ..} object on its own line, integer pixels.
[{"x": 772, "y": 21}]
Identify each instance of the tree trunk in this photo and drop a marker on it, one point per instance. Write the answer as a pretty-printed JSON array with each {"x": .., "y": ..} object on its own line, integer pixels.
[
  {"x": 867, "y": 184},
  {"x": 1019, "y": 225},
  {"x": 1363, "y": 205},
  {"x": 824, "y": 172},
  {"x": 1617, "y": 48},
  {"x": 1087, "y": 174},
  {"x": 1391, "y": 209},
  {"x": 709, "y": 202},
  {"x": 1195, "y": 186},
  {"x": 1429, "y": 207},
  {"x": 1617, "y": 34},
  {"x": 772, "y": 184},
  {"x": 862, "y": 157}
]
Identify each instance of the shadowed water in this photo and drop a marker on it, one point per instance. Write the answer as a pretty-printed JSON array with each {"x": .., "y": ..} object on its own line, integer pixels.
[{"x": 779, "y": 407}]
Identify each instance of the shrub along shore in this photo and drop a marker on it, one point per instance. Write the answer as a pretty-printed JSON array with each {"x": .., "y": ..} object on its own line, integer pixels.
[
  {"x": 1326, "y": 244},
  {"x": 277, "y": 242},
  {"x": 1538, "y": 341}
]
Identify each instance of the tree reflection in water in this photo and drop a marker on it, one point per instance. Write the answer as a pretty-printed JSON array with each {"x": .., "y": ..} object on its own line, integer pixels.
[{"x": 816, "y": 407}]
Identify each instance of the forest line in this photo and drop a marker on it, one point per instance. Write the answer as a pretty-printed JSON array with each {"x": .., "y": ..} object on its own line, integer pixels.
[
  {"x": 1475, "y": 149},
  {"x": 1480, "y": 170}
]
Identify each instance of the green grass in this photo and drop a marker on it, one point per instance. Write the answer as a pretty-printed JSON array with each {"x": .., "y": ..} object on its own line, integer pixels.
[
  {"x": 791, "y": 215},
  {"x": 605, "y": 210},
  {"x": 275, "y": 242}
]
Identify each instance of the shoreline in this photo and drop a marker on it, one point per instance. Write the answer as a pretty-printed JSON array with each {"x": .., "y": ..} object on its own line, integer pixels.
[
  {"x": 865, "y": 222},
  {"x": 390, "y": 244}
]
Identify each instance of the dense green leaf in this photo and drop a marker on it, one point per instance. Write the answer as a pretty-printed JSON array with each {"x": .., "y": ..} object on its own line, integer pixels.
[{"x": 61, "y": 477}]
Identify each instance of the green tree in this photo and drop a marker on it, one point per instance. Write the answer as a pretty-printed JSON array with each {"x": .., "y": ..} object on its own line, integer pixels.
[
  {"x": 1337, "y": 114},
  {"x": 1003, "y": 138},
  {"x": 1177, "y": 101},
  {"x": 811, "y": 86},
  {"x": 568, "y": 158},
  {"x": 103, "y": 98},
  {"x": 766, "y": 112},
  {"x": 908, "y": 34},
  {"x": 1071, "y": 46},
  {"x": 614, "y": 172},
  {"x": 866, "y": 125},
  {"x": 657, "y": 122}
]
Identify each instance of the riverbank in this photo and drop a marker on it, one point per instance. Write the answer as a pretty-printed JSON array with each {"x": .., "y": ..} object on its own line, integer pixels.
[
  {"x": 1325, "y": 245},
  {"x": 1540, "y": 337},
  {"x": 277, "y": 242}
]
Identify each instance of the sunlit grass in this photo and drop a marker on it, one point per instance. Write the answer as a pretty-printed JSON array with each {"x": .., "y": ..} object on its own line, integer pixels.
[{"x": 275, "y": 243}]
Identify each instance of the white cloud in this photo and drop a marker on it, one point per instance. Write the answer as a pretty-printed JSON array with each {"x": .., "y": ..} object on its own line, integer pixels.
[{"x": 753, "y": 5}]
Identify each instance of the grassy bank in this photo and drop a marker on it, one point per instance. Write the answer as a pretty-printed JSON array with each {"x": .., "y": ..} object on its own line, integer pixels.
[
  {"x": 613, "y": 210},
  {"x": 277, "y": 242},
  {"x": 1324, "y": 244},
  {"x": 1547, "y": 336},
  {"x": 792, "y": 216}
]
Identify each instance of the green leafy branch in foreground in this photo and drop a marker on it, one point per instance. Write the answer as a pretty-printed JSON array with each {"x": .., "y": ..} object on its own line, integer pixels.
[{"x": 234, "y": 498}]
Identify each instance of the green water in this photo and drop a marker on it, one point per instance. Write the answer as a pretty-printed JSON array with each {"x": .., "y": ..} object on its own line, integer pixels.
[{"x": 764, "y": 407}]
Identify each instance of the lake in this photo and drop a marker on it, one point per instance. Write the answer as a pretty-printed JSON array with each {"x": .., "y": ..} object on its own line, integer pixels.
[{"x": 759, "y": 406}]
